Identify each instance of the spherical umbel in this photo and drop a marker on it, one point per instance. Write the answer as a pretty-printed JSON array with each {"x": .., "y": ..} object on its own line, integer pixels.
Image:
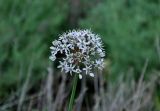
[{"x": 83, "y": 52}]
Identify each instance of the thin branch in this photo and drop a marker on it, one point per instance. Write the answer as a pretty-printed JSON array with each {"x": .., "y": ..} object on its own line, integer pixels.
[{"x": 25, "y": 87}]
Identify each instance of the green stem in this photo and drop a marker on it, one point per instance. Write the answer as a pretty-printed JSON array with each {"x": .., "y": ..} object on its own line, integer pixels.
[{"x": 73, "y": 92}]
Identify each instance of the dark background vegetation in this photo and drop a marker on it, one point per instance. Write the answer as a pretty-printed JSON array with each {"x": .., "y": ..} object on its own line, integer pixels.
[{"x": 130, "y": 30}]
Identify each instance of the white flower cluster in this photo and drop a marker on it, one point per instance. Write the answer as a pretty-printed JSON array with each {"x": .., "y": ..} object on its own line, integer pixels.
[{"x": 83, "y": 51}]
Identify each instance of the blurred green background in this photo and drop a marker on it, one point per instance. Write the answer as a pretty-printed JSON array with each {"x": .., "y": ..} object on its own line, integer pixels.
[{"x": 130, "y": 30}]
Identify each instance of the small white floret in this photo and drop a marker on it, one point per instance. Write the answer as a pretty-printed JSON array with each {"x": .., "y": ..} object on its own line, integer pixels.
[
  {"x": 80, "y": 76},
  {"x": 91, "y": 74}
]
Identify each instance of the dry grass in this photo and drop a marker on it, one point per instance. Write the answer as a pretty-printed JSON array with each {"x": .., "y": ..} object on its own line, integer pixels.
[{"x": 124, "y": 95}]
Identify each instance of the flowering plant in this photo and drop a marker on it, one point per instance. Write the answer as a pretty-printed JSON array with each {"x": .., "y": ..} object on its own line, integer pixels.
[{"x": 83, "y": 52}]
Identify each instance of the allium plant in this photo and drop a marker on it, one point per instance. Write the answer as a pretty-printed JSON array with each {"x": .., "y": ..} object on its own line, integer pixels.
[{"x": 83, "y": 52}]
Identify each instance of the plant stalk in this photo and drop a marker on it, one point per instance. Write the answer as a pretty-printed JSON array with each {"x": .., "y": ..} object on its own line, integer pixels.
[{"x": 71, "y": 101}]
